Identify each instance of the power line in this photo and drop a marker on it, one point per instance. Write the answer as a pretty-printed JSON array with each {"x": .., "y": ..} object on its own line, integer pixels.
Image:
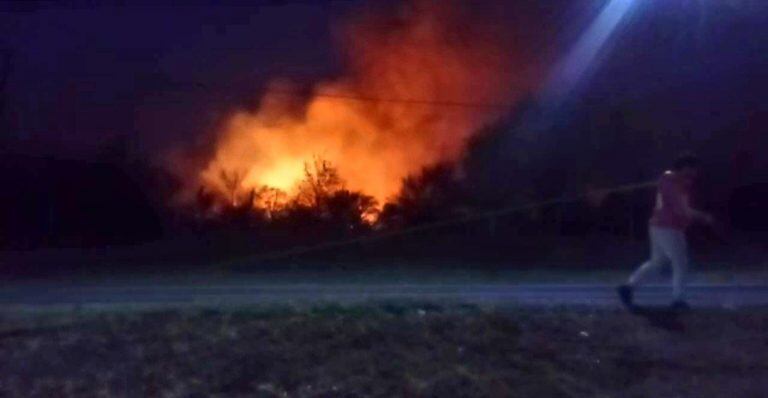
[
  {"x": 335, "y": 96},
  {"x": 364, "y": 98}
]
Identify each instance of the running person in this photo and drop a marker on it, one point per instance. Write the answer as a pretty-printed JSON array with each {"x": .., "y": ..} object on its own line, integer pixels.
[{"x": 671, "y": 216}]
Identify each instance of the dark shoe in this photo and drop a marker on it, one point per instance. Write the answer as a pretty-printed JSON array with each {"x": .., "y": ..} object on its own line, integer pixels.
[
  {"x": 680, "y": 306},
  {"x": 625, "y": 294}
]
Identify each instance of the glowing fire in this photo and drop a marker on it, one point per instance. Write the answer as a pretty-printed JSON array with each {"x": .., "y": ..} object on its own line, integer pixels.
[{"x": 372, "y": 124}]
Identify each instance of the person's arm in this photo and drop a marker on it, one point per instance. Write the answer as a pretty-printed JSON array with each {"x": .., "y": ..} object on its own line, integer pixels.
[
  {"x": 678, "y": 203},
  {"x": 698, "y": 215}
]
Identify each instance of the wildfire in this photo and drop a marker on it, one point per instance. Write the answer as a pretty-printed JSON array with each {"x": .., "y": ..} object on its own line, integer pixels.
[{"x": 409, "y": 100}]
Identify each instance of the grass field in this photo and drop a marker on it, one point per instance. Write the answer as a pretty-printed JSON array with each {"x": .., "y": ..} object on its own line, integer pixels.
[{"x": 392, "y": 349}]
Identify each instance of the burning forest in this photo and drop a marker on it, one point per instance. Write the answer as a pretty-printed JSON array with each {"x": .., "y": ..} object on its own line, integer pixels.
[{"x": 421, "y": 80}]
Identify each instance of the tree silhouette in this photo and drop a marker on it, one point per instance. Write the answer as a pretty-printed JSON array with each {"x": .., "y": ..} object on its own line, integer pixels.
[
  {"x": 271, "y": 200},
  {"x": 321, "y": 180},
  {"x": 431, "y": 195},
  {"x": 244, "y": 212},
  {"x": 322, "y": 203},
  {"x": 351, "y": 210},
  {"x": 232, "y": 180}
]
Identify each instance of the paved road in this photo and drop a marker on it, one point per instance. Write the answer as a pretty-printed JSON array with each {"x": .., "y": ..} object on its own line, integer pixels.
[{"x": 239, "y": 294}]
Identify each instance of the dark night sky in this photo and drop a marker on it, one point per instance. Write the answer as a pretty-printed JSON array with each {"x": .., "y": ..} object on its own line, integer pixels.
[
  {"x": 163, "y": 74},
  {"x": 83, "y": 75}
]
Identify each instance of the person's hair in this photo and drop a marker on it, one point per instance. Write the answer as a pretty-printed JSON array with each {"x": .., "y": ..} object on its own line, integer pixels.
[{"x": 686, "y": 160}]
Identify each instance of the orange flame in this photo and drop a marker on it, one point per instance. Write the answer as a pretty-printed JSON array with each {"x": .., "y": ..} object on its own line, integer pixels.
[{"x": 412, "y": 98}]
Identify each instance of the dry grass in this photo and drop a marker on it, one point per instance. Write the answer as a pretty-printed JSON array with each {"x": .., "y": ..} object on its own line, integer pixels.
[{"x": 394, "y": 349}]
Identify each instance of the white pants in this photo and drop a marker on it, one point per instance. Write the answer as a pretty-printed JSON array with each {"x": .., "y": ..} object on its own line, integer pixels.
[{"x": 667, "y": 245}]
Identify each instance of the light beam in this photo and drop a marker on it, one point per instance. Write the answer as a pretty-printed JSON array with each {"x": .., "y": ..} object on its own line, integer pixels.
[{"x": 582, "y": 57}]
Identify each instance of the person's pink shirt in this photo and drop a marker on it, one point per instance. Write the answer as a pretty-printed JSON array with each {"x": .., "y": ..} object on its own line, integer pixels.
[{"x": 671, "y": 203}]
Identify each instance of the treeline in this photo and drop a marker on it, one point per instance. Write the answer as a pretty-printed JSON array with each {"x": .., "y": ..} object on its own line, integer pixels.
[
  {"x": 322, "y": 208},
  {"x": 321, "y": 205},
  {"x": 67, "y": 203}
]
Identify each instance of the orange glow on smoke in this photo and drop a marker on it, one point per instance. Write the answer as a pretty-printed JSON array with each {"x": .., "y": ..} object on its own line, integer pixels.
[{"x": 427, "y": 53}]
